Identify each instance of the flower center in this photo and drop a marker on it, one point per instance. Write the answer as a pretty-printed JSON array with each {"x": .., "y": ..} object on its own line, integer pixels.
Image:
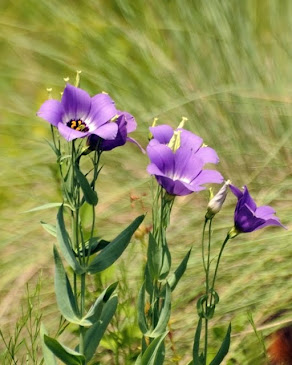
[{"x": 78, "y": 125}]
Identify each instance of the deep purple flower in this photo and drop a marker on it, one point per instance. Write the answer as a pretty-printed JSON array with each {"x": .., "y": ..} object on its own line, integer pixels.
[
  {"x": 78, "y": 115},
  {"x": 179, "y": 172},
  {"x": 162, "y": 134},
  {"x": 126, "y": 124},
  {"x": 248, "y": 217}
]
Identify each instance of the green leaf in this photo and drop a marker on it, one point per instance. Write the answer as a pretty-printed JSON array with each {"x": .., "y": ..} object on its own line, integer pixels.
[
  {"x": 47, "y": 206},
  {"x": 90, "y": 195},
  {"x": 141, "y": 310},
  {"x": 154, "y": 257},
  {"x": 65, "y": 245},
  {"x": 153, "y": 351},
  {"x": 166, "y": 262},
  {"x": 49, "y": 357},
  {"x": 95, "y": 333},
  {"x": 176, "y": 276},
  {"x": 164, "y": 314},
  {"x": 49, "y": 228},
  {"x": 95, "y": 311},
  {"x": 95, "y": 245},
  {"x": 114, "y": 249},
  {"x": 223, "y": 349},
  {"x": 196, "y": 347},
  {"x": 64, "y": 294},
  {"x": 68, "y": 356}
]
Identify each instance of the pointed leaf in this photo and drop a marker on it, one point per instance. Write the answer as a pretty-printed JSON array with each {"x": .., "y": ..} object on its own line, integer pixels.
[
  {"x": 64, "y": 294},
  {"x": 166, "y": 262},
  {"x": 152, "y": 353},
  {"x": 49, "y": 228},
  {"x": 47, "y": 206},
  {"x": 49, "y": 357},
  {"x": 164, "y": 314},
  {"x": 141, "y": 310},
  {"x": 94, "y": 312},
  {"x": 223, "y": 349},
  {"x": 175, "y": 277},
  {"x": 95, "y": 333},
  {"x": 196, "y": 347},
  {"x": 65, "y": 245},
  {"x": 114, "y": 249},
  {"x": 90, "y": 195},
  {"x": 154, "y": 257},
  {"x": 68, "y": 356}
]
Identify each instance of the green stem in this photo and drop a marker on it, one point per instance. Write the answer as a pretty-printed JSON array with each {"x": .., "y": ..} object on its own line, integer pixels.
[
  {"x": 82, "y": 309},
  {"x": 218, "y": 261}
]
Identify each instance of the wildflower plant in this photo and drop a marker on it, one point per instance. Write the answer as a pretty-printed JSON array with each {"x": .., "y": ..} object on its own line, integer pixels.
[{"x": 75, "y": 119}]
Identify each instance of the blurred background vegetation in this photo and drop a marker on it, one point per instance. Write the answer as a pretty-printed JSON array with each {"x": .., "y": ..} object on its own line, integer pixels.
[{"x": 226, "y": 66}]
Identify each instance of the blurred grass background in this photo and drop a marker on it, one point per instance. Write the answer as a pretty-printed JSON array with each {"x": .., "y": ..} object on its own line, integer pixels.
[{"x": 226, "y": 66}]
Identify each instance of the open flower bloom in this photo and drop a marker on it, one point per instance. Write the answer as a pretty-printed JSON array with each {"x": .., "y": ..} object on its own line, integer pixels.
[
  {"x": 248, "y": 217},
  {"x": 78, "y": 115},
  {"x": 163, "y": 134},
  {"x": 179, "y": 172},
  {"x": 126, "y": 124}
]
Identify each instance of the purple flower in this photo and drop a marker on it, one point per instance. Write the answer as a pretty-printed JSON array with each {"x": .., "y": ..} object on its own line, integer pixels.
[
  {"x": 78, "y": 115},
  {"x": 248, "y": 217},
  {"x": 126, "y": 124},
  {"x": 180, "y": 170}
]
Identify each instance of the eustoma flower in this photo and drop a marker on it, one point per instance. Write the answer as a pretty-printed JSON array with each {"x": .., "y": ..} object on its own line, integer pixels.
[
  {"x": 78, "y": 115},
  {"x": 177, "y": 160},
  {"x": 126, "y": 124},
  {"x": 248, "y": 217}
]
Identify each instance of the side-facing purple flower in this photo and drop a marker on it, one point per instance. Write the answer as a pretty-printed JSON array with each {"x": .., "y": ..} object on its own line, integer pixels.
[
  {"x": 248, "y": 217},
  {"x": 78, "y": 115},
  {"x": 126, "y": 124},
  {"x": 179, "y": 170}
]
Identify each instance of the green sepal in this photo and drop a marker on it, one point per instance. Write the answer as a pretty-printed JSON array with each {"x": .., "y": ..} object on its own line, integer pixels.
[
  {"x": 95, "y": 333},
  {"x": 176, "y": 276},
  {"x": 153, "y": 351},
  {"x": 115, "y": 248},
  {"x": 95, "y": 311},
  {"x": 68, "y": 356},
  {"x": 65, "y": 244},
  {"x": 90, "y": 195},
  {"x": 224, "y": 348},
  {"x": 142, "y": 322},
  {"x": 196, "y": 346},
  {"x": 50, "y": 228},
  {"x": 64, "y": 294},
  {"x": 49, "y": 357},
  {"x": 163, "y": 316}
]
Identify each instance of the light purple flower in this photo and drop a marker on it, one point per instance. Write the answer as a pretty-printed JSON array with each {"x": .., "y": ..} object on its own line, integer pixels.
[
  {"x": 126, "y": 124},
  {"x": 248, "y": 217},
  {"x": 162, "y": 134},
  {"x": 78, "y": 115},
  {"x": 179, "y": 172}
]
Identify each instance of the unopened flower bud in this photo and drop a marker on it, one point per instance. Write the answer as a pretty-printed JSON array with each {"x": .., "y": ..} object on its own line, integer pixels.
[{"x": 215, "y": 204}]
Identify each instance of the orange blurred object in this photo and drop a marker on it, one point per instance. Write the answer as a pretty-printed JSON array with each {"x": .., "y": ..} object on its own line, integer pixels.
[{"x": 280, "y": 349}]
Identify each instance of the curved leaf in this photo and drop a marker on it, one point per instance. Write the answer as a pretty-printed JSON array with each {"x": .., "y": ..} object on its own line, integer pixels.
[
  {"x": 223, "y": 349},
  {"x": 141, "y": 310},
  {"x": 90, "y": 195},
  {"x": 49, "y": 357},
  {"x": 176, "y": 276},
  {"x": 153, "y": 351},
  {"x": 115, "y": 248}
]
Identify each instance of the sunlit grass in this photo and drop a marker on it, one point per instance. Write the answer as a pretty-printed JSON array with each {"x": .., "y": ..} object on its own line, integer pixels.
[{"x": 226, "y": 66}]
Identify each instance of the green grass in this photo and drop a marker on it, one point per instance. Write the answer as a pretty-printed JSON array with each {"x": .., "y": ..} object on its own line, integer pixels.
[{"x": 226, "y": 66}]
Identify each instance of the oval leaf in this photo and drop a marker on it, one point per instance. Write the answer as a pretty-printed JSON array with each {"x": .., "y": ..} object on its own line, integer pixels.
[
  {"x": 68, "y": 356},
  {"x": 64, "y": 294},
  {"x": 115, "y": 248}
]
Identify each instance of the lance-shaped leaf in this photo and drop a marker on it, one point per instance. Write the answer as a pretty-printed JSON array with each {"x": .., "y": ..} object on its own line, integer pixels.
[
  {"x": 115, "y": 248},
  {"x": 95, "y": 311},
  {"x": 164, "y": 315},
  {"x": 93, "y": 245},
  {"x": 223, "y": 349},
  {"x": 95, "y": 333},
  {"x": 64, "y": 294},
  {"x": 141, "y": 310},
  {"x": 47, "y": 206},
  {"x": 64, "y": 242},
  {"x": 196, "y": 346},
  {"x": 153, "y": 351},
  {"x": 49, "y": 357},
  {"x": 154, "y": 257},
  {"x": 90, "y": 195},
  {"x": 49, "y": 228},
  {"x": 175, "y": 277},
  {"x": 166, "y": 262},
  {"x": 68, "y": 356}
]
